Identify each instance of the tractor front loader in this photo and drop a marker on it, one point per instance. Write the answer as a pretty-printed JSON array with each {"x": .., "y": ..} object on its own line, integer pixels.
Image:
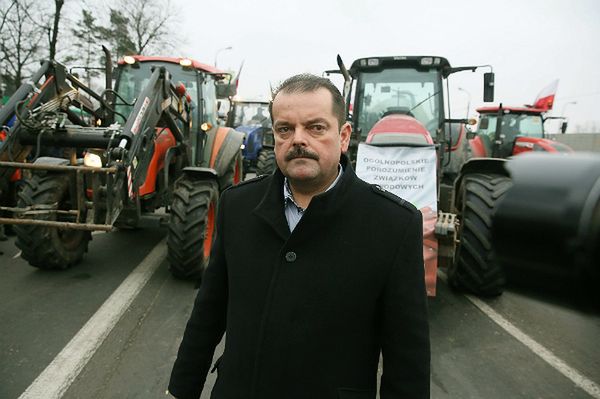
[
  {"x": 51, "y": 92},
  {"x": 213, "y": 159}
]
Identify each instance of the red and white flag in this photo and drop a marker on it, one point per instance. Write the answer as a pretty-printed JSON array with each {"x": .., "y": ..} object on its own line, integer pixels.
[{"x": 545, "y": 100}]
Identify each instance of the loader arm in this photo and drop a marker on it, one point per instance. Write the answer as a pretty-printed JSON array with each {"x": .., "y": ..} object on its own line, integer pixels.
[
  {"x": 57, "y": 92},
  {"x": 157, "y": 106}
]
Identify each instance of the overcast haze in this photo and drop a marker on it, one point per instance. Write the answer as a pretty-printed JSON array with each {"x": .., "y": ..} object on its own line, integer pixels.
[{"x": 528, "y": 43}]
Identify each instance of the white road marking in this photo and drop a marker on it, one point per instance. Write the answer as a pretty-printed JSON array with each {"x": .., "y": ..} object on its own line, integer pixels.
[
  {"x": 17, "y": 255},
  {"x": 546, "y": 354},
  {"x": 66, "y": 366}
]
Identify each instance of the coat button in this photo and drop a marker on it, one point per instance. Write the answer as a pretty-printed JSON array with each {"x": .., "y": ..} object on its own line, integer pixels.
[{"x": 290, "y": 256}]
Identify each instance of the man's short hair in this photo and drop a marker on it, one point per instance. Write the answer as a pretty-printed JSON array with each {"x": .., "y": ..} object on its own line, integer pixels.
[{"x": 307, "y": 82}]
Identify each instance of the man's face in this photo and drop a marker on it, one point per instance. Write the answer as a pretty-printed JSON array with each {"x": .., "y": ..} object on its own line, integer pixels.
[{"x": 308, "y": 142}]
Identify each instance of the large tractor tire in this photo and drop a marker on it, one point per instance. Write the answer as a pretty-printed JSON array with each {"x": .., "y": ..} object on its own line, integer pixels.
[
  {"x": 474, "y": 268},
  {"x": 49, "y": 247},
  {"x": 265, "y": 164},
  {"x": 191, "y": 227}
]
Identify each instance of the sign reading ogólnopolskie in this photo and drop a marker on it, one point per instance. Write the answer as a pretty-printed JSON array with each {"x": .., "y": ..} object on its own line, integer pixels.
[{"x": 408, "y": 172}]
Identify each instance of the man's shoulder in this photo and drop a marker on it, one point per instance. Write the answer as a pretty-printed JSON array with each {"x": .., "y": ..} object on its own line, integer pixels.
[
  {"x": 249, "y": 185},
  {"x": 387, "y": 198}
]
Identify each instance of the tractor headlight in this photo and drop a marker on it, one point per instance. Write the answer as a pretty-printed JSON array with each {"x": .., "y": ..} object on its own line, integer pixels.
[{"x": 92, "y": 160}]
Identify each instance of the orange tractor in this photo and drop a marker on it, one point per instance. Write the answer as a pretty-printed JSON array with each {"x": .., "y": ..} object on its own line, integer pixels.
[{"x": 150, "y": 143}]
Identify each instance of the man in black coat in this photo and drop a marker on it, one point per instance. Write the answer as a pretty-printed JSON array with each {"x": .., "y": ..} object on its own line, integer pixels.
[{"x": 313, "y": 274}]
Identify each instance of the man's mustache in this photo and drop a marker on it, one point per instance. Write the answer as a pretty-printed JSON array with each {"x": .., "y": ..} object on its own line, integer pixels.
[{"x": 301, "y": 152}]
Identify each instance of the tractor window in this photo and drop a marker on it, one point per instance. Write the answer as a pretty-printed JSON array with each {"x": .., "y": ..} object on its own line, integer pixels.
[
  {"x": 513, "y": 125},
  {"x": 131, "y": 82},
  {"x": 487, "y": 126},
  {"x": 401, "y": 91},
  {"x": 252, "y": 113},
  {"x": 530, "y": 125},
  {"x": 209, "y": 99}
]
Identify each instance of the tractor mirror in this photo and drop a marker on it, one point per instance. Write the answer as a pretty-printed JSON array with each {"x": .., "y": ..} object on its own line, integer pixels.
[
  {"x": 488, "y": 87},
  {"x": 226, "y": 90},
  {"x": 563, "y": 127}
]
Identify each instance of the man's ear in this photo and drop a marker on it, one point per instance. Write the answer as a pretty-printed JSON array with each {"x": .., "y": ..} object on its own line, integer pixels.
[{"x": 345, "y": 133}]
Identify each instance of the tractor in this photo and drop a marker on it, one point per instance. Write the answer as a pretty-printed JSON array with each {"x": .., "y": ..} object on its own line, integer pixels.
[
  {"x": 400, "y": 102},
  {"x": 508, "y": 131},
  {"x": 252, "y": 118},
  {"x": 153, "y": 143}
]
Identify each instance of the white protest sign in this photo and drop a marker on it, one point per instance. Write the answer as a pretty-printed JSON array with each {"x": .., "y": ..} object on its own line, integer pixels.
[{"x": 408, "y": 172}]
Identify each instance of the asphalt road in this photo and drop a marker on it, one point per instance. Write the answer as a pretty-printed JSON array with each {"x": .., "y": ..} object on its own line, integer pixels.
[{"x": 472, "y": 355}]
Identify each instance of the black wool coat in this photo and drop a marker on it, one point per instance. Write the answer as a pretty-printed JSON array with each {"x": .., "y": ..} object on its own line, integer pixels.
[{"x": 307, "y": 313}]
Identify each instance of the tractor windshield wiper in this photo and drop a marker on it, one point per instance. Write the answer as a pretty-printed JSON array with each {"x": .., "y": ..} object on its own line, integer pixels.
[{"x": 420, "y": 103}]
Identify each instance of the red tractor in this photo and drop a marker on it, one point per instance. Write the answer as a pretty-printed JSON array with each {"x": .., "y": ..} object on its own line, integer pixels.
[
  {"x": 400, "y": 102},
  {"x": 507, "y": 131}
]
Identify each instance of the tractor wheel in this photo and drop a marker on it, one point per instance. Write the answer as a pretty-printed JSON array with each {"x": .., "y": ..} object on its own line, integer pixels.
[
  {"x": 49, "y": 247},
  {"x": 265, "y": 164},
  {"x": 474, "y": 268},
  {"x": 191, "y": 227}
]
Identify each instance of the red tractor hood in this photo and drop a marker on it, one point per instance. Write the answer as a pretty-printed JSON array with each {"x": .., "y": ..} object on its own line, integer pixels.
[
  {"x": 399, "y": 129},
  {"x": 525, "y": 144}
]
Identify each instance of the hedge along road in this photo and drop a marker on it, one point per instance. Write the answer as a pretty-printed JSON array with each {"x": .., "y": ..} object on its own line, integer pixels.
[{"x": 472, "y": 357}]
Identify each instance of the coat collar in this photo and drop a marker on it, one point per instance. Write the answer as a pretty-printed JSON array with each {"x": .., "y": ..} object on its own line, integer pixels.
[{"x": 271, "y": 207}]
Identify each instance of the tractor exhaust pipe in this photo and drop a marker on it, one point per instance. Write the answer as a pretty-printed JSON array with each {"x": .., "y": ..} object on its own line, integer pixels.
[{"x": 108, "y": 69}]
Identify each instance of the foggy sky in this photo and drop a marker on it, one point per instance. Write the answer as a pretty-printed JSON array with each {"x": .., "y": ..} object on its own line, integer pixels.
[{"x": 528, "y": 43}]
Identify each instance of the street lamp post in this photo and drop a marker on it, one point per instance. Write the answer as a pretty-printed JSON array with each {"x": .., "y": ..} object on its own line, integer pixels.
[
  {"x": 468, "y": 101},
  {"x": 219, "y": 50}
]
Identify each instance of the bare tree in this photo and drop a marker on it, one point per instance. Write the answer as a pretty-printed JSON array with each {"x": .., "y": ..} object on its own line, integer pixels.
[
  {"x": 58, "y": 4},
  {"x": 20, "y": 41},
  {"x": 149, "y": 21},
  {"x": 5, "y": 12}
]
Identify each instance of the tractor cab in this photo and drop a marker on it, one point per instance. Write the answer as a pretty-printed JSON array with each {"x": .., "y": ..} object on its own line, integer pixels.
[
  {"x": 248, "y": 113},
  {"x": 200, "y": 81},
  {"x": 401, "y": 100},
  {"x": 405, "y": 92},
  {"x": 508, "y": 131}
]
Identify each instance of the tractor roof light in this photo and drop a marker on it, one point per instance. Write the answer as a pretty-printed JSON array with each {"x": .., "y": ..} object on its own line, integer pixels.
[
  {"x": 426, "y": 61},
  {"x": 185, "y": 62},
  {"x": 373, "y": 62},
  {"x": 129, "y": 60}
]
